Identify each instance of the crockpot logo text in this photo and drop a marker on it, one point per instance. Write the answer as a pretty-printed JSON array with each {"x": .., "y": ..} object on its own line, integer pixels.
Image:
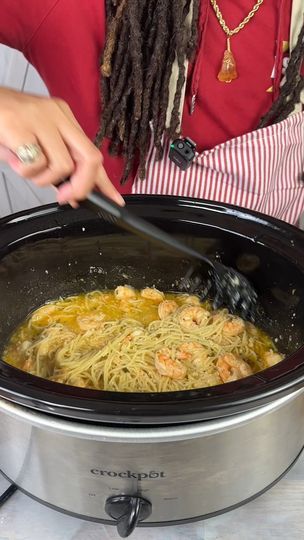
[{"x": 152, "y": 475}]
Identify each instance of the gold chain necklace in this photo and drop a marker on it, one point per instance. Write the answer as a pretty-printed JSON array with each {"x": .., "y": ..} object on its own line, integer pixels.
[{"x": 228, "y": 71}]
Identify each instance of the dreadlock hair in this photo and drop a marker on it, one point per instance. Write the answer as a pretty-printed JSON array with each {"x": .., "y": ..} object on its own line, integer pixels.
[{"x": 144, "y": 38}]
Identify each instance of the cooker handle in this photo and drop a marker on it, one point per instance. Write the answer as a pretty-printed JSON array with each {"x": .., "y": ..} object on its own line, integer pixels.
[{"x": 128, "y": 511}]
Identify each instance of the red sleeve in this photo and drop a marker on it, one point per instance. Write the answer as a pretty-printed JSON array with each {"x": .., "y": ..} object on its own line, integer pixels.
[{"x": 20, "y": 19}]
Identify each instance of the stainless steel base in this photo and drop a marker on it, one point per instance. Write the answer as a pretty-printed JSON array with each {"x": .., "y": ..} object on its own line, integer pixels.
[
  {"x": 186, "y": 472},
  {"x": 155, "y": 524}
]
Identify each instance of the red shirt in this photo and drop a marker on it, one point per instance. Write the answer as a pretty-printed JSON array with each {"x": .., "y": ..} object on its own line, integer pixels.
[{"x": 63, "y": 39}]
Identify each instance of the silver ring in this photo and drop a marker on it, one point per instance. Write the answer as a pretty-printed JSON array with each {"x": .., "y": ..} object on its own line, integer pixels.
[{"x": 28, "y": 153}]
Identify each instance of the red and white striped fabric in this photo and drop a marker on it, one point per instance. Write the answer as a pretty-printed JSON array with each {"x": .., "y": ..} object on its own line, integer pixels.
[{"x": 262, "y": 170}]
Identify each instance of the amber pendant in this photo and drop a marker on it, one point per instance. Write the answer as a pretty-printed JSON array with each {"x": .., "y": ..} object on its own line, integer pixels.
[{"x": 228, "y": 71}]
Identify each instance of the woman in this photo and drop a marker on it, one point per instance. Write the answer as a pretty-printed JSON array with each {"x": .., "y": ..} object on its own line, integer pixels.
[{"x": 211, "y": 70}]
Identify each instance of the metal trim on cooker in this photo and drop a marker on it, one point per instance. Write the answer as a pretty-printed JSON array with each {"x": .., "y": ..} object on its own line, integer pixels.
[{"x": 140, "y": 435}]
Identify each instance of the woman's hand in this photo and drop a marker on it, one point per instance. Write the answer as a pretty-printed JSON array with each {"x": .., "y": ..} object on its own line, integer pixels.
[{"x": 65, "y": 149}]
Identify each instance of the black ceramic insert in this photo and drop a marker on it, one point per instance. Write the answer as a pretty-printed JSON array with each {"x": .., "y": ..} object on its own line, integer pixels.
[{"x": 52, "y": 251}]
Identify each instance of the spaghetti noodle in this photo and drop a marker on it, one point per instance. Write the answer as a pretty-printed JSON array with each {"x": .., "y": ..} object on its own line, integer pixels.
[{"x": 138, "y": 341}]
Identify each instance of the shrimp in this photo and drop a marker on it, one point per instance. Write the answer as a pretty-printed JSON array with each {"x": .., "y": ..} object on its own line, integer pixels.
[
  {"x": 152, "y": 294},
  {"x": 234, "y": 327},
  {"x": 52, "y": 339},
  {"x": 77, "y": 381},
  {"x": 43, "y": 314},
  {"x": 90, "y": 322},
  {"x": 168, "y": 366},
  {"x": 272, "y": 358},
  {"x": 190, "y": 299},
  {"x": 28, "y": 364},
  {"x": 25, "y": 345},
  {"x": 232, "y": 368},
  {"x": 124, "y": 292},
  {"x": 252, "y": 330},
  {"x": 60, "y": 380},
  {"x": 134, "y": 334},
  {"x": 166, "y": 308},
  {"x": 190, "y": 350},
  {"x": 191, "y": 317}
]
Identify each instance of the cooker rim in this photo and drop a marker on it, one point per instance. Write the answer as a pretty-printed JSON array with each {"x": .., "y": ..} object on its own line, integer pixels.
[
  {"x": 141, "y": 434},
  {"x": 117, "y": 407}
]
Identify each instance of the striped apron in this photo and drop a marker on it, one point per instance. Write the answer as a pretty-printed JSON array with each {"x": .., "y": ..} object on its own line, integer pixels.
[{"x": 262, "y": 170}]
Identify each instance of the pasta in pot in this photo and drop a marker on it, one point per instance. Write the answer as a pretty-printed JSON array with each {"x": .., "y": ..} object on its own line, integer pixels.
[{"x": 138, "y": 341}]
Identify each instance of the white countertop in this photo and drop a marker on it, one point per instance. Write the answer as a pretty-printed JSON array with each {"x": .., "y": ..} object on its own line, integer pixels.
[{"x": 276, "y": 515}]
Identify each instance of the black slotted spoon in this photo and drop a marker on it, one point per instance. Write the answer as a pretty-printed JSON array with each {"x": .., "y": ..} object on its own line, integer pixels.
[{"x": 232, "y": 288}]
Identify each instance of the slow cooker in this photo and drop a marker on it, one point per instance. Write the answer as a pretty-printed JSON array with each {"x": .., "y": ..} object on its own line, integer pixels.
[{"x": 150, "y": 459}]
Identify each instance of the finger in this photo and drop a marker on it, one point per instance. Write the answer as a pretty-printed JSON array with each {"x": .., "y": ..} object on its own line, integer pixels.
[
  {"x": 78, "y": 187},
  {"x": 72, "y": 203},
  {"x": 89, "y": 170},
  {"x": 13, "y": 141},
  {"x": 64, "y": 107},
  {"x": 67, "y": 111},
  {"x": 105, "y": 185},
  {"x": 7, "y": 155},
  {"x": 60, "y": 162}
]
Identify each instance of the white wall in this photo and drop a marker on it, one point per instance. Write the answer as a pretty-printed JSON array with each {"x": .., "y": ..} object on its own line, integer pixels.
[{"x": 15, "y": 193}]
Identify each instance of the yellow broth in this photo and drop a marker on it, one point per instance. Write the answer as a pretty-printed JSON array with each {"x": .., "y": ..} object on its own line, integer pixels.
[{"x": 68, "y": 314}]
